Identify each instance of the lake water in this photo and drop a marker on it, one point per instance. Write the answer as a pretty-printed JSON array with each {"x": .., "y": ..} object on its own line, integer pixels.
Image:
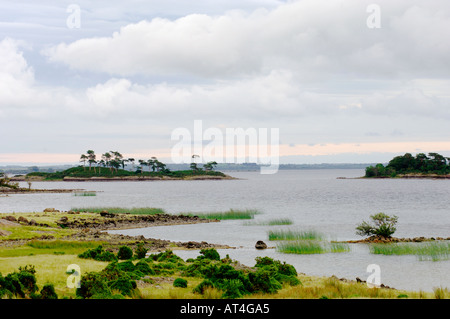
[{"x": 312, "y": 199}]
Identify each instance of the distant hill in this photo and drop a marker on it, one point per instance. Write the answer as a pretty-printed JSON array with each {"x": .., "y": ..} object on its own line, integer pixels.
[{"x": 17, "y": 169}]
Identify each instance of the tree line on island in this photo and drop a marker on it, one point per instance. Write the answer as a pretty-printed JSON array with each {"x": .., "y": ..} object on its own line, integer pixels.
[
  {"x": 421, "y": 164},
  {"x": 114, "y": 164},
  {"x": 114, "y": 160}
]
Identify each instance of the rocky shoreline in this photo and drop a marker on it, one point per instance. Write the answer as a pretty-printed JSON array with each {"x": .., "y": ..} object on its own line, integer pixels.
[
  {"x": 387, "y": 240},
  {"x": 96, "y": 227}
]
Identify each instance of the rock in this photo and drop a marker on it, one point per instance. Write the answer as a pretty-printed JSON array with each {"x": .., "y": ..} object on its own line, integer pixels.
[
  {"x": 50, "y": 210},
  {"x": 260, "y": 245},
  {"x": 10, "y": 218},
  {"x": 32, "y": 222},
  {"x": 105, "y": 213},
  {"x": 22, "y": 219}
]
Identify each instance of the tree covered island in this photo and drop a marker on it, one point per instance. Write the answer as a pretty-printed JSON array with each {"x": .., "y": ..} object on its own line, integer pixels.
[
  {"x": 433, "y": 165},
  {"x": 114, "y": 166}
]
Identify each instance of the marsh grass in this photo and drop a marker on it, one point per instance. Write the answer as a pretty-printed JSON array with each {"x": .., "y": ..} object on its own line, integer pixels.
[
  {"x": 303, "y": 247},
  {"x": 271, "y": 222},
  {"x": 121, "y": 210},
  {"x": 434, "y": 251},
  {"x": 230, "y": 214},
  {"x": 85, "y": 194},
  {"x": 288, "y": 234}
]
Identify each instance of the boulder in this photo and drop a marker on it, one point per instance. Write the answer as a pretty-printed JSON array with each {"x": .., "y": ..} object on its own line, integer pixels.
[
  {"x": 51, "y": 210},
  {"x": 260, "y": 245},
  {"x": 22, "y": 219},
  {"x": 10, "y": 218}
]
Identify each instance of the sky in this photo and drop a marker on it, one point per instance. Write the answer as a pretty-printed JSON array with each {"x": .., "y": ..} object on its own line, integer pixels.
[{"x": 341, "y": 81}]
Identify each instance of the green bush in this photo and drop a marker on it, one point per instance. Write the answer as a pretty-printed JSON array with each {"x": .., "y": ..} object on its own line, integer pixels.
[
  {"x": 93, "y": 284},
  {"x": 125, "y": 286},
  {"x": 180, "y": 282},
  {"x": 200, "y": 288},
  {"x": 48, "y": 292},
  {"x": 20, "y": 284},
  {"x": 140, "y": 251},
  {"x": 263, "y": 281},
  {"x": 124, "y": 253},
  {"x": 98, "y": 254},
  {"x": 144, "y": 268},
  {"x": 382, "y": 225},
  {"x": 210, "y": 253}
]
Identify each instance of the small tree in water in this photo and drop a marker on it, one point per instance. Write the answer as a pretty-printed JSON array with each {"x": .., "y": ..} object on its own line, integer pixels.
[{"x": 382, "y": 225}]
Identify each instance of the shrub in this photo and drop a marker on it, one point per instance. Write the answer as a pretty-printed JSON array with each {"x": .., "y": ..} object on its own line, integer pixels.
[
  {"x": 144, "y": 268},
  {"x": 21, "y": 283},
  {"x": 263, "y": 281},
  {"x": 48, "y": 292},
  {"x": 383, "y": 226},
  {"x": 180, "y": 282},
  {"x": 98, "y": 254},
  {"x": 93, "y": 284},
  {"x": 125, "y": 252},
  {"x": 125, "y": 286},
  {"x": 140, "y": 251},
  {"x": 210, "y": 253}
]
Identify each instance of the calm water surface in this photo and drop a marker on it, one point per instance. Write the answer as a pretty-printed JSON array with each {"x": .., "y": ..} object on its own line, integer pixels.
[{"x": 310, "y": 198}]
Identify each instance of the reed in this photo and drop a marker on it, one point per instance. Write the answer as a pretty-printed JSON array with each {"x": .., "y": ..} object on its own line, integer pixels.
[
  {"x": 303, "y": 247},
  {"x": 288, "y": 234},
  {"x": 122, "y": 210},
  {"x": 230, "y": 214},
  {"x": 85, "y": 194},
  {"x": 434, "y": 251},
  {"x": 271, "y": 222}
]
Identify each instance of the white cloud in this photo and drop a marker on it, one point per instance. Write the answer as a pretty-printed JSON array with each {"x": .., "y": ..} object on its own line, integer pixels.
[{"x": 316, "y": 38}]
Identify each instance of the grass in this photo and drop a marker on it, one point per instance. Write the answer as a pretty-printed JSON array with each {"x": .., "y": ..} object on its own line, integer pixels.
[
  {"x": 44, "y": 247},
  {"x": 230, "y": 214},
  {"x": 51, "y": 268},
  {"x": 271, "y": 222},
  {"x": 434, "y": 251},
  {"x": 85, "y": 194},
  {"x": 303, "y": 247},
  {"x": 121, "y": 210},
  {"x": 289, "y": 234}
]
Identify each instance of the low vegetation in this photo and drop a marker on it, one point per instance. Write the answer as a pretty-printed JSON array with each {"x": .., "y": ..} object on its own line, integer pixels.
[
  {"x": 312, "y": 247},
  {"x": 230, "y": 214},
  {"x": 121, "y": 210},
  {"x": 434, "y": 251},
  {"x": 271, "y": 222},
  {"x": 289, "y": 234},
  {"x": 166, "y": 275}
]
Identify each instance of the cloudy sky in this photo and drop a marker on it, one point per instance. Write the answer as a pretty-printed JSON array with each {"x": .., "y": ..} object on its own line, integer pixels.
[{"x": 342, "y": 80}]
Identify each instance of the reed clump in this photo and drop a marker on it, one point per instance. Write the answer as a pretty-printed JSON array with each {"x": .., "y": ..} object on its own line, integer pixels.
[{"x": 434, "y": 251}]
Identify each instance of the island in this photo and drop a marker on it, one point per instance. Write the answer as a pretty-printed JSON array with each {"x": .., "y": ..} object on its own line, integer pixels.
[
  {"x": 114, "y": 167},
  {"x": 431, "y": 166}
]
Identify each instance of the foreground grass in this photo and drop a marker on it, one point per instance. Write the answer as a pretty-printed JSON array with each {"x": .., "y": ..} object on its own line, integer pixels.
[
  {"x": 52, "y": 269},
  {"x": 434, "y": 251}
]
